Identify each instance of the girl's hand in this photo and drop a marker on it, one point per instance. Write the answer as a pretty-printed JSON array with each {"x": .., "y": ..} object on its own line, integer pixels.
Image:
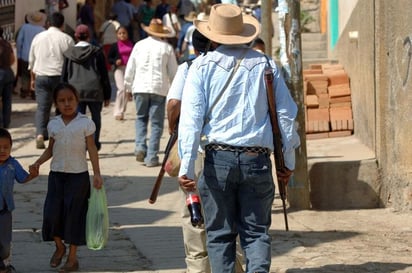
[
  {"x": 118, "y": 62},
  {"x": 129, "y": 96},
  {"x": 34, "y": 170},
  {"x": 97, "y": 181},
  {"x": 35, "y": 167}
]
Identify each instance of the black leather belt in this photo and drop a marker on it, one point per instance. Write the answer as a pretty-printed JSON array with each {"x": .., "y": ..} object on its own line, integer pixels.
[{"x": 230, "y": 148}]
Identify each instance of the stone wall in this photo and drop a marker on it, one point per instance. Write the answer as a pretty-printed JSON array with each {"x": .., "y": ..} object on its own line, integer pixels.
[
  {"x": 312, "y": 9},
  {"x": 379, "y": 65}
]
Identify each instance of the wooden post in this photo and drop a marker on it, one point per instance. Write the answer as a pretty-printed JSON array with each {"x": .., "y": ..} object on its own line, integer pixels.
[
  {"x": 267, "y": 25},
  {"x": 298, "y": 187}
]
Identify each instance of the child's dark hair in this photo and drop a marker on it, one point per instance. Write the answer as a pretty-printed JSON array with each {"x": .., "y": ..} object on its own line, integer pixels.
[
  {"x": 5, "y": 134},
  {"x": 61, "y": 86}
]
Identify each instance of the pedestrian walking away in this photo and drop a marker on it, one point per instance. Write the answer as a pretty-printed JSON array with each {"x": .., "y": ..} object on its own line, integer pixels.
[
  {"x": 108, "y": 35},
  {"x": 68, "y": 190},
  {"x": 7, "y": 59},
  {"x": 46, "y": 63},
  {"x": 85, "y": 68},
  {"x": 225, "y": 111},
  {"x": 149, "y": 72},
  {"x": 194, "y": 237},
  {"x": 35, "y": 24}
]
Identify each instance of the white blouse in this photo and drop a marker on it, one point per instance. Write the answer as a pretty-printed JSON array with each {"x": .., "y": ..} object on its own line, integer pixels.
[{"x": 69, "y": 149}]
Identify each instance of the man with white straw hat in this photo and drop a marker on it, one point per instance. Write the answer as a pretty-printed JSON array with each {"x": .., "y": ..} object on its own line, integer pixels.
[
  {"x": 149, "y": 72},
  {"x": 225, "y": 110},
  {"x": 35, "y": 24}
]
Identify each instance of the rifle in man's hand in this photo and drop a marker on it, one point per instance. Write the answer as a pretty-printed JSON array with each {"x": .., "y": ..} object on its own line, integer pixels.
[
  {"x": 277, "y": 142},
  {"x": 158, "y": 182}
]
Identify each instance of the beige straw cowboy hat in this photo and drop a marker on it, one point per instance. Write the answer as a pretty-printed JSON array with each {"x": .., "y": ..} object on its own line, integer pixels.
[
  {"x": 36, "y": 18},
  {"x": 157, "y": 29},
  {"x": 190, "y": 17},
  {"x": 227, "y": 25}
]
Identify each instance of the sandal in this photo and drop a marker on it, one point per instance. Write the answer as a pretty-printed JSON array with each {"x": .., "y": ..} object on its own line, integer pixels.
[
  {"x": 69, "y": 268},
  {"x": 55, "y": 260}
]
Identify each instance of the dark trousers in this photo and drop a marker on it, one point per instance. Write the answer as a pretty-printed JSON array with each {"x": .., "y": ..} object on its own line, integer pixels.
[
  {"x": 95, "y": 108},
  {"x": 5, "y": 235},
  {"x": 6, "y": 91}
]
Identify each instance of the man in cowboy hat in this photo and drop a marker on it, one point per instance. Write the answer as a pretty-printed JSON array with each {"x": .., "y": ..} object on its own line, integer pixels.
[
  {"x": 194, "y": 238},
  {"x": 149, "y": 72},
  {"x": 225, "y": 110},
  {"x": 35, "y": 24}
]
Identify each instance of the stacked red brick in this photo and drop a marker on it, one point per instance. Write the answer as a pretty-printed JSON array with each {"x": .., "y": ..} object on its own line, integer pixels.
[{"x": 327, "y": 101}]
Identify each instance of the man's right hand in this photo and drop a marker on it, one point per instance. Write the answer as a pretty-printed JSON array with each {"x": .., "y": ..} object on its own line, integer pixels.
[
  {"x": 284, "y": 175},
  {"x": 187, "y": 184}
]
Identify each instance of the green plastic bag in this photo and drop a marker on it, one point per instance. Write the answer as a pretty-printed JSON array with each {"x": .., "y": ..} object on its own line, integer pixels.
[{"x": 97, "y": 220}]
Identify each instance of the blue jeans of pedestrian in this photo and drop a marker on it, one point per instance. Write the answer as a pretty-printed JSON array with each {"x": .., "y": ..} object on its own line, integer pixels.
[
  {"x": 95, "y": 108},
  {"x": 237, "y": 192},
  {"x": 149, "y": 107},
  {"x": 6, "y": 90},
  {"x": 44, "y": 87}
]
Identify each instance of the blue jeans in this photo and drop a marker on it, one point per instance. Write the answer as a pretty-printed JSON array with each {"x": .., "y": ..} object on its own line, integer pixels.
[
  {"x": 149, "y": 107},
  {"x": 44, "y": 87},
  {"x": 95, "y": 108},
  {"x": 6, "y": 90},
  {"x": 237, "y": 193}
]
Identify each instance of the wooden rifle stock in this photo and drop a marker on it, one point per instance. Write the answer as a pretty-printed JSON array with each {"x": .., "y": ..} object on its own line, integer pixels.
[
  {"x": 158, "y": 182},
  {"x": 277, "y": 141}
]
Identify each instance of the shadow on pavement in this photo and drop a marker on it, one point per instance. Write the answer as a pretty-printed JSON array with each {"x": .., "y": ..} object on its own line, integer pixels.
[{"x": 376, "y": 267}]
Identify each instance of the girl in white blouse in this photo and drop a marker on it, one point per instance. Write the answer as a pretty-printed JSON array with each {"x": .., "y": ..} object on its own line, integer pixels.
[{"x": 65, "y": 208}]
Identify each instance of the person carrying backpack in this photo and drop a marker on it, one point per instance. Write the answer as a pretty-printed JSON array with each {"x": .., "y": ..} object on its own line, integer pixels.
[{"x": 85, "y": 68}]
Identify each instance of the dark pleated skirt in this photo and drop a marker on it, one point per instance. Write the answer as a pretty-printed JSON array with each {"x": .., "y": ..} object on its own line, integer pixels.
[{"x": 65, "y": 207}]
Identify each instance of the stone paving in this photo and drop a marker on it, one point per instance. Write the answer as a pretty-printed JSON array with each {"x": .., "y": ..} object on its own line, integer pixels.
[{"x": 147, "y": 237}]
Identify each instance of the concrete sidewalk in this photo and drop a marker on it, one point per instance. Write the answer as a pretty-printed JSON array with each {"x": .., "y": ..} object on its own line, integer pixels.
[{"x": 148, "y": 238}]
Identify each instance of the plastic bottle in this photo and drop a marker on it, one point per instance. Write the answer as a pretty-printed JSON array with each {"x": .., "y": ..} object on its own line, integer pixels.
[{"x": 194, "y": 207}]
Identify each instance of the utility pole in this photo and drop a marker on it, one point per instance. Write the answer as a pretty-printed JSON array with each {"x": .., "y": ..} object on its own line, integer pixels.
[{"x": 291, "y": 58}]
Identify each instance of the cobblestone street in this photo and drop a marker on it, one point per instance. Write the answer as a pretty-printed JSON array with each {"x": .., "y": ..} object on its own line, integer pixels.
[{"x": 148, "y": 238}]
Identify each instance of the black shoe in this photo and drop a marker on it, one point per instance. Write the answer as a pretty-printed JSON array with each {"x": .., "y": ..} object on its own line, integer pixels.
[
  {"x": 8, "y": 269},
  {"x": 23, "y": 93},
  {"x": 11, "y": 269}
]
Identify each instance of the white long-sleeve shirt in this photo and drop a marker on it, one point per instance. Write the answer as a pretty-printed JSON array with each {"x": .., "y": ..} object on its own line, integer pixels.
[
  {"x": 46, "y": 52},
  {"x": 151, "y": 67}
]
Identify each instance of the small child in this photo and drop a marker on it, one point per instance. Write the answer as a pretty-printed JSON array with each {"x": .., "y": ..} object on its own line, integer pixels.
[
  {"x": 10, "y": 170},
  {"x": 65, "y": 208}
]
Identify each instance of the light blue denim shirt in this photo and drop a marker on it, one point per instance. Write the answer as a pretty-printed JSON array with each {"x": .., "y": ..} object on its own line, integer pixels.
[
  {"x": 10, "y": 171},
  {"x": 241, "y": 116},
  {"x": 24, "y": 39}
]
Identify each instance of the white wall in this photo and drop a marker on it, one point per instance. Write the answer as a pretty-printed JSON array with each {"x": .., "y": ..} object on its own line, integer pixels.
[
  {"x": 345, "y": 10},
  {"x": 22, "y": 8}
]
